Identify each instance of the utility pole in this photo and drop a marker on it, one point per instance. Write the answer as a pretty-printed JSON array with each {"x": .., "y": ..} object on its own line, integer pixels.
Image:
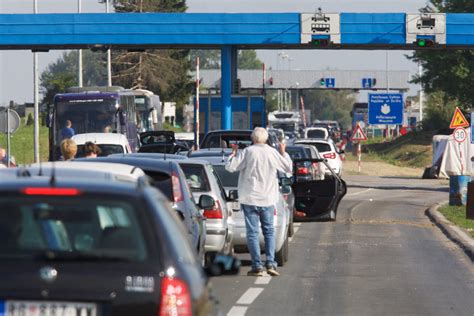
[
  {"x": 36, "y": 96},
  {"x": 420, "y": 73},
  {"x": 109, "y": 55},
  {"x": 79, "y": 60}
]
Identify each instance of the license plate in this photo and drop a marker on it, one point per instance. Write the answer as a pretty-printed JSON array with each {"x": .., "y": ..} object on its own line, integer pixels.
[{"x": 40, "y": 308}]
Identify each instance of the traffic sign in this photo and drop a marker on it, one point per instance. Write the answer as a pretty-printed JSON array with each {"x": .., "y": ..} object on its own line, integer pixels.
[
  {"x": 458, "y": 120},
  {"x": 358, "y": 134},
  {"x": 13, "y": 121},
  {"x": 385, "y": 108},
  {"x": 330, "y": 82},
  {"x": 459, "y": 134}
]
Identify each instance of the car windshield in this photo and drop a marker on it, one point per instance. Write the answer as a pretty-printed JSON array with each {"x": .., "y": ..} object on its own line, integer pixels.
[
  {"x": 226, "y": 141},
  {"x": 105, "y": 150},
  {"x": 71, "y": 227},
  {"x": 196, "y": 177},
  {"x": 227, "y": 178},
  {"x": 289, "y": 128},
  {"x": 316, "y": 133}
]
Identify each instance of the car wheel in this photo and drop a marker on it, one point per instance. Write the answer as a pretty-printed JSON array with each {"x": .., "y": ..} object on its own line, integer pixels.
[
  {"x": 280, "y": 255},
  {"x": 286, "y": 250}
]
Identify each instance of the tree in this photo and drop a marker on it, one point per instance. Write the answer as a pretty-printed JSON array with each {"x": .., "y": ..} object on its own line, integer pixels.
[
  {"x": 165, "y": 72},
  {"x": 247, "y": 59},
  {"x": 62, "y": 74},
  {"x": 451, "y": 72},
  {"x": 330, "y": 105},
  {"x": 211, "y": 59}
]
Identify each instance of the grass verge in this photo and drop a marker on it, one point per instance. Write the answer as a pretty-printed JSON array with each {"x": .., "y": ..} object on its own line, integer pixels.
[{"x": 457, "y": 215}]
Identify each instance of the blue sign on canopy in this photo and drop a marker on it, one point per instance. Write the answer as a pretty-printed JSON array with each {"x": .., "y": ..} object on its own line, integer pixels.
[{"x": 385, "y": 108}]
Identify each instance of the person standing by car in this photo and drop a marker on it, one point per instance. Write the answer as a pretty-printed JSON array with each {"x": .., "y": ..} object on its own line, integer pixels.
[
  {"x": 91, "y": 150},
  {"x": 258, "y": 192}
]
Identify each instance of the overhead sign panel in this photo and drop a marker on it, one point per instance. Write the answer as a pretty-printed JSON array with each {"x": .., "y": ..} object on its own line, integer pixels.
[
  {"x": 319, "y": 23},
  {"x": 385, "y": 108},
  {"x": 458, "y": 120},
  {"x": 426, "y": 24}
]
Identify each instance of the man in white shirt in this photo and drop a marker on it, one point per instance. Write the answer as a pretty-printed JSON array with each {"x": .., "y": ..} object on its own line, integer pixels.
[{"x": 258, "y": 193}]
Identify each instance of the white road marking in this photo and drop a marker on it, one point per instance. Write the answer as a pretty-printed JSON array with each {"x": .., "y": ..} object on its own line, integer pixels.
[
  {"x": 263, "y": 280},
  {"x": 237, "y": 311},
  {"x": 360, "y": 192},
  {"x": 249, "y": 296},
  {"x": 296, "y": 229},
  {"x": 297, "y": 224}
]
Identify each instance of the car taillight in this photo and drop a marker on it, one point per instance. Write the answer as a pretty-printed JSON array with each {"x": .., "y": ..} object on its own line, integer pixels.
[
  {"x": 175, "y": 298},
  {"x": 215, "y": 212},
  {"x": 302, "y": 171},
  {"x": 51, "y": 191},
  {"x": 330, "y": 156},
  {"x": 177, "y": 193}
]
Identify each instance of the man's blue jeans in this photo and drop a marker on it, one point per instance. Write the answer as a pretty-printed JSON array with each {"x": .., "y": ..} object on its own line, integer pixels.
[{"x": 254, "y": 215}]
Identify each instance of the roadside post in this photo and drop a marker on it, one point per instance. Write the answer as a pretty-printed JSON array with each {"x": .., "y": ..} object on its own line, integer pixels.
[
  {"x": 458, "y": 184},
  {"x": 357, "y": 136}
]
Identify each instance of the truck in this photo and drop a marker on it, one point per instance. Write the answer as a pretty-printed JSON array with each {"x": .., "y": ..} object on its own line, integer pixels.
[{"x": 288, "y": 121}]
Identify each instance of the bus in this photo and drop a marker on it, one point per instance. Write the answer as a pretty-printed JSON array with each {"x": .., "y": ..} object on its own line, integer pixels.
[
  {"x": 359, "y": 114},
  {"x": 93, "y": 110},
  {"x": 148, "y": 107}
]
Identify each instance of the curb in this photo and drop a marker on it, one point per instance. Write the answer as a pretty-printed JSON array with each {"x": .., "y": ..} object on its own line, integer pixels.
[{"x": 452, "y": 231}]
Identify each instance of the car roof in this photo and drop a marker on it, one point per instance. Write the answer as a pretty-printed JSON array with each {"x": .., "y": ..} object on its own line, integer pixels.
[
  {"x": 159, "y": 156},
  {"x": 214, "y": 160},
  {"x": 78, "y": 170},
  {"x": 100, "y": 138},
  {"x": 145, "y": 164}
]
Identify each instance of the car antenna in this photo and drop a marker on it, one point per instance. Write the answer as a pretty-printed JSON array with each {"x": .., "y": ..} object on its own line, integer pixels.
[{"x": 52, "y": 181}]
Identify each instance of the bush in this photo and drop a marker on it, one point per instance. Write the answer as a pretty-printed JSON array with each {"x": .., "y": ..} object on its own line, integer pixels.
[{"x": 30, "y": 120}]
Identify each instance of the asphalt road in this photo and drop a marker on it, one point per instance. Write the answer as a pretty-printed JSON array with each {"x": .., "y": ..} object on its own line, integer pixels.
[{"x": 382, "y": 257}]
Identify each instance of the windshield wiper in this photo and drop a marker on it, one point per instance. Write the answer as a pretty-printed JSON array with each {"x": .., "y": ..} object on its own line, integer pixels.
[{"x": 50, "y": 255}]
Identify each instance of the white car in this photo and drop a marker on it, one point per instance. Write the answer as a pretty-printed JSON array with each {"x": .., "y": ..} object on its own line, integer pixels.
[
  {"x": 327, "y": 150},
  {"x": 109, "y": 143},
  {"x": 316, "y": 132}
]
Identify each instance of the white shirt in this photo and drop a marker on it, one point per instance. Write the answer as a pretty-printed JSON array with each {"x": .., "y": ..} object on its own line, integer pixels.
[{"x": 258, "y": 165}]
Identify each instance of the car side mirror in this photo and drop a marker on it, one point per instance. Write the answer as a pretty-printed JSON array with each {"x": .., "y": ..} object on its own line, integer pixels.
[
  {"x": 219, "y": 264},
  {"x": 206, "y": 202},
  {"x": 285, "y": 181},
  {"x": 233, "y": 195}
]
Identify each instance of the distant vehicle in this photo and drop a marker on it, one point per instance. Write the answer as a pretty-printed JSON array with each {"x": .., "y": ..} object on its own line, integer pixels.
[
  {"x": 187, "y": 138},
  {"x": 108, "y": 237},
  {"x": 230, "y": 183},
  {"x": 359, "y": 114},
  {"x": 148, "y": 109},
  {"x": 327, "y": 150},
  {"x": 161, "y": 142},
  {"x": 306, "y": 170},
  {"x": 93, "y": 110},
  {"x": 169, "y": 178},
  {"x": 288, "y": 121},
  {"x": 316, "y": 132},
  {"x": 109, "y": 143},
  {"x": 227, "y": 138}
]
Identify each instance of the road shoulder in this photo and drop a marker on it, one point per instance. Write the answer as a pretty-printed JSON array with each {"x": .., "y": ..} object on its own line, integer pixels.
[{"x": 452, "y": 231}]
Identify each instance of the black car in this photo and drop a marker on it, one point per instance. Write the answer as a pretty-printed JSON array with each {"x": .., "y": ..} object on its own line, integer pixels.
[
  {"x": 225, "y": 139},
  {"x": 75, "y": 247},
  {"x": 161, "y": 142},
  {"x": 169, "y": 178}
]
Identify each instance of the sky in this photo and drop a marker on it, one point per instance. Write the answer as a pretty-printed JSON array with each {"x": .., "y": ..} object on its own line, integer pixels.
[{"x": 16, "y": 76}]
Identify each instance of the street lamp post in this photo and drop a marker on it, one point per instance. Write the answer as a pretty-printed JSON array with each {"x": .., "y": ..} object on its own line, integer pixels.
[
  {"x": 79, "y": 58},
  {"x": 36, "y": 96},
  {"x": 109, "y": 55}
]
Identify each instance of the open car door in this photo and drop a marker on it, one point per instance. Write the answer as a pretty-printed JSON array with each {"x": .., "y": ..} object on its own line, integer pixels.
[{"x": 315, "y": 198}]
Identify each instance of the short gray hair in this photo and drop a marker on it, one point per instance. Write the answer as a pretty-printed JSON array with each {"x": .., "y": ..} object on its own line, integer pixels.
[{"x": 259, "y": 135}]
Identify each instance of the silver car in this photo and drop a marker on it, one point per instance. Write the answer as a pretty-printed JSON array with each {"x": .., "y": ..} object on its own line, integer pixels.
[
  {"x": 230, "y": 181},
  {"x": 202, "y": 179}
]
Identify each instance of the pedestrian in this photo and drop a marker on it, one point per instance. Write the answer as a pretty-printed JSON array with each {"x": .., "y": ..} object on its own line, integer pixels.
[
  {"x": 258, "y": 193},
  {"x": 91, "y": 150},
  {"x": 68, "y": 149},
  {"x": 4, "y": 158},
  {"x": 67, "y": 131}
]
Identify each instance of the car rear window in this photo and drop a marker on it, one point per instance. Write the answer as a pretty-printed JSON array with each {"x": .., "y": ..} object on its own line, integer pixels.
[
  {"x": 196, "y": 177},
  {"x": 105, "y": 150},
  {"x": 162, "y": 181},
  {"x": 297, "y": 153},
  {"x": 227, "y": 178},
  {"x": 321, "y": 147},
  {"x": 226, "y": 141},
  {"x": 316, "y": 133},
  {"x": 71, "y": 227}
]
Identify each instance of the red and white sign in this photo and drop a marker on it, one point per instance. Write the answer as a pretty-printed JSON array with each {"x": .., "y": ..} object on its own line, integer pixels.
[
  {"x": 460, "y": 134},
  {"x": 358, "y": 134},
  {"x": 458, "y": 120}
]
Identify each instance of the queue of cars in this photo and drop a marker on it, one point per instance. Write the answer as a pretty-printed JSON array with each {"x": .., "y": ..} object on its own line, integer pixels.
[{"x": 133, "y": 231}]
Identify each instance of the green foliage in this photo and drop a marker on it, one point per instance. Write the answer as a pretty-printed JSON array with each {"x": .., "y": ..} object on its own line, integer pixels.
[
  {"x": 439, "y": 111},
  {"x": 457, "y": 215},
  {"x": 449, "y": 71},
  {"x": 30, "y": 121},
  {"x": 247, "y": 59},
  {"x": 330, "y": 105},
  {"x": 165, "y": 72},
  {"x": 211, "y": 59},
  {"x": 62, "y": 74}
]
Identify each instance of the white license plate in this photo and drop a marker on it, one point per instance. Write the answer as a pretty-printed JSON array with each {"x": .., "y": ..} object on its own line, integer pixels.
[{"x": 39, "y": 308}]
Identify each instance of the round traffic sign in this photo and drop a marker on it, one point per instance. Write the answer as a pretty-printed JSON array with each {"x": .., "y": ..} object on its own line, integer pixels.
[
  {"x": 459, "y": 134},
  {"x": 13, "y": 121}
]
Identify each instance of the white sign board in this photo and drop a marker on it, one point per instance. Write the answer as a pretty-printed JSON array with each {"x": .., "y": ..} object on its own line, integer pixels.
[
  {"x": 320, "y": 24},
  {"x": 460, "y": 134},
  {"x": 13, "y": 121},
  {"x": 426, "y": 24}
]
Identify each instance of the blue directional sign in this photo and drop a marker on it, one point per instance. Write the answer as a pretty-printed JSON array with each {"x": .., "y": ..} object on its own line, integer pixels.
[
  {"x": 367, "y": 83},
  {"x": 385, "y": 108},
  {"x": 330, "y": 82}
]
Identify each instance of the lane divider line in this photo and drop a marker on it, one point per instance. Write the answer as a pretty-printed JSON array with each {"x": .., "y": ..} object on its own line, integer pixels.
[
  {"x": 249, "y": 296},
  {"x": 263, "y": 280},
  {"x": 237, "y": 311},
  {"x": 360, "y": 192}
]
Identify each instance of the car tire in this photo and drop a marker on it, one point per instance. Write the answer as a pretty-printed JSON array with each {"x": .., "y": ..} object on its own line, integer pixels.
[{"x": 280, "y": 255}]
